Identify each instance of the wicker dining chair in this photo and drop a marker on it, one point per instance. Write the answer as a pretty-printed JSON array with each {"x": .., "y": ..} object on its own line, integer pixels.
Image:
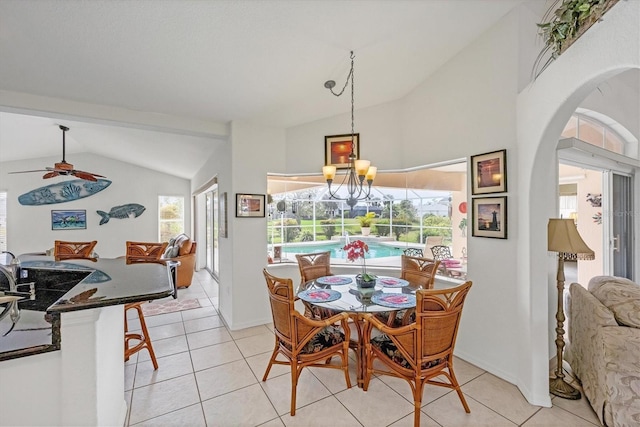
[
  {"x": 313, "y": 266},
  {"x": 140, "y": 252},
  {"x": 302, "y": 341},
  {"x": 423, "y": 350},
  {"x": 73, "y": 250},
  {"x": 420, "y": 272}
]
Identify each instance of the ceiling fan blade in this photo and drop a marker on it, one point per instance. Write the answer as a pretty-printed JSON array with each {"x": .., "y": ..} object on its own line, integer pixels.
[
  {"x": 50, "y": 174},
  {"x": 37, "y": 170},
  {"x": 84, "y": 175},
  {"x": 75, "y": 171}
]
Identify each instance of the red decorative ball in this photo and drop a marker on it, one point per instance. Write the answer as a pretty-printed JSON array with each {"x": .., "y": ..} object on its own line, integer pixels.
[{"x": 462, "y": 207}]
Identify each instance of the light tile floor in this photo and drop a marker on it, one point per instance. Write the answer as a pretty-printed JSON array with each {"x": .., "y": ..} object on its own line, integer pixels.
[{"x": 211, "y": 376}]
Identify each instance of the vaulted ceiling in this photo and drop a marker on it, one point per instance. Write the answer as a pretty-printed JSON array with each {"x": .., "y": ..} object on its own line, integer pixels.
[{"x": 132, "y": 79}]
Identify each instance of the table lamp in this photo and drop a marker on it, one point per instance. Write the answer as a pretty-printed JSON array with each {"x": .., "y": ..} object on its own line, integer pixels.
[{"x": 563, "y": 237}]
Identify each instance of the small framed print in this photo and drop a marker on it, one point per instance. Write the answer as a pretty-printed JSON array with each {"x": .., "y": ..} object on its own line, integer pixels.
[
  {"x": 489, "y": 173},
  {"x": 490, "y": 217},
  {"x": 249, "y": 205},
  {"x": 75, "y": 219},
  {"x": 337, "y": 149},
  {"x": 222, "y": 230}
]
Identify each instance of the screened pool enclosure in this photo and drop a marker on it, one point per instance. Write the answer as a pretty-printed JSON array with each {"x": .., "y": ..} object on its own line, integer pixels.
[{"x": 406, "y": 209}]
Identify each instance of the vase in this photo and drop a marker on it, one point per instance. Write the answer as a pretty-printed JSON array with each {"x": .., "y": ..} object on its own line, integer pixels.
[{"x": 362, "y": 283}]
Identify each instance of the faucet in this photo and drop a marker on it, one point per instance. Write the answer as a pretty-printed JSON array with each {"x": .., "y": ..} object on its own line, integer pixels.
[
  {"x": 14, "y": 267},
  {"x": 11, "y": 309}
]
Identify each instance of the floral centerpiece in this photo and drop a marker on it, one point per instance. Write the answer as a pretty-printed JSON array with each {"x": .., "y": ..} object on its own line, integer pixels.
[{"x": 356, "y": 250}]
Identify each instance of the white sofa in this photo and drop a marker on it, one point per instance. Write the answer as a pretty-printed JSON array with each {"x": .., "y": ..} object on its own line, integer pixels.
[{"x": 603, "y": 348}]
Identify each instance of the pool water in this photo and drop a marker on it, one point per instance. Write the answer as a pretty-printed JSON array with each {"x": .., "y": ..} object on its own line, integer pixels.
[{"x": 375, "y": 250}]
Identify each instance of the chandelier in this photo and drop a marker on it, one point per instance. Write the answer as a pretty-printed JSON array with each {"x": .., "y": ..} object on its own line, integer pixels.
[{"x": 359, "y": 171}]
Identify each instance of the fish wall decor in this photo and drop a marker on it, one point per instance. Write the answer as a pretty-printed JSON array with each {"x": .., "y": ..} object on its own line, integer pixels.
[
  {"x": 65, "y": 191},
  {"x": 130, "y": 210}
]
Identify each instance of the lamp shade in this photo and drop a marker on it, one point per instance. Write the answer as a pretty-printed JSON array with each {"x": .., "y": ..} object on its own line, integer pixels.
[{"x": 563, "y": 237}]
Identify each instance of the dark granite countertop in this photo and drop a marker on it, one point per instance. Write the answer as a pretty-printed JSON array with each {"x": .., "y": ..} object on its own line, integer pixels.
[{"x": 70, "y": 286}]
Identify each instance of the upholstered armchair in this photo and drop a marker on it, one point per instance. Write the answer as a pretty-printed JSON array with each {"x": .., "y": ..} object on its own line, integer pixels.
[{"x": 182, "y": 249}]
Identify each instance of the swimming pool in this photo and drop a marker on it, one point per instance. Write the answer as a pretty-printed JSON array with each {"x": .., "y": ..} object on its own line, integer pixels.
[{"x": 375, "y": 250}]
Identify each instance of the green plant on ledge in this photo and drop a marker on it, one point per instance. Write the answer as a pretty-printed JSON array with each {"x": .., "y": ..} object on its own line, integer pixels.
[
  {"x": 367, "y": 219},
  {"x": 564, "y": 24}
]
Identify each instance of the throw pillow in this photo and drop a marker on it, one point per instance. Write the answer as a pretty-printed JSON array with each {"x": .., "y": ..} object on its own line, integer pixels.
[
  {"x": 168, "y": 251},
  {"x": 622, "y": 297},
  {"x": 185, "y": 248}
]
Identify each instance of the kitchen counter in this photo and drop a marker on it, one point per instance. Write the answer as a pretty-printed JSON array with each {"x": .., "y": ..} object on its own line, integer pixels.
[
  {"x": 65, "y": 352},
  {"x": 64, "y": 286}
]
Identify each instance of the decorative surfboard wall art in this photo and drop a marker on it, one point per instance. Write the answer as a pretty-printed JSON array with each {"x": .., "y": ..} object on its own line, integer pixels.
[
  {"x": 130, "y": 210},
  {"x": 65, "y": 191}
]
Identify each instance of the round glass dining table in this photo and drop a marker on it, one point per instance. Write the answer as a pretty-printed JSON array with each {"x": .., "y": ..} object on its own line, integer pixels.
[{"x": 341, "y": 293}]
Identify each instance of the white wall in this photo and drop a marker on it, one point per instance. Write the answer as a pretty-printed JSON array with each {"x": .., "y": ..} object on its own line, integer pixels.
[
  {"x": 241, "y": 167},
  {"x": 467, "y": 107},
  {"x": 29, "y": 227},
  {"x": 606, "y": 49}
]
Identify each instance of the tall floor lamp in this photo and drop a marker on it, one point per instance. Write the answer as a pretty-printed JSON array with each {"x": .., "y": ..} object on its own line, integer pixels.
[{"x": 563, "y": 237}]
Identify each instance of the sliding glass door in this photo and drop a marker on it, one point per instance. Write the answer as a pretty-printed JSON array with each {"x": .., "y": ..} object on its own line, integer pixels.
[{"x": 212, "y": 226}]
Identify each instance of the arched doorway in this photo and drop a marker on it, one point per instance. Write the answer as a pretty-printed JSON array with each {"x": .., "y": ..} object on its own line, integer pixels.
[{"x": 543, "y": 110}]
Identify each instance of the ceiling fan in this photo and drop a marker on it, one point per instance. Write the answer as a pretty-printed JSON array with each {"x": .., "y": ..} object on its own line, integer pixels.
[{"x": 64, "y": 168}]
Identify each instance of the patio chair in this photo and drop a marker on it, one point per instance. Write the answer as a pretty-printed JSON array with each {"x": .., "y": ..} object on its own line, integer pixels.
[
  {"x": 302, "y": 341},
  {"x": 413, "y": 252},
  {"x": 447, "y": 262},
  {"x": 423, "y": 350}
]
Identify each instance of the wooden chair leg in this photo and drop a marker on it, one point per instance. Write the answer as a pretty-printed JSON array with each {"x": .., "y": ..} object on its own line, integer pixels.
[
  {"x": 294, "y": 385},
  {"x": 417, "y": 401},
  {"x": 143, "y": 338},
  {"x": 454, "y": 382},
  {"x": 273, "y": 358}
]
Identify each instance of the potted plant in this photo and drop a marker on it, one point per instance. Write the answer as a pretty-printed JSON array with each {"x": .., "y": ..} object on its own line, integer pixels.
[
  {"x": 563, "y": 23},
  {"x": 365, "y": 222},
  {"x": 356, "y": 250}
]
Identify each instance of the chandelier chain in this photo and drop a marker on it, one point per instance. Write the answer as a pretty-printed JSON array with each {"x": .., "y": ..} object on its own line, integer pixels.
[{"x": 352, "y": 101}]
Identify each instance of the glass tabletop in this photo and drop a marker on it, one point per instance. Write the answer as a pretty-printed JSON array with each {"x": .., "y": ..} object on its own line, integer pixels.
[{"x": 355, "y": 299}]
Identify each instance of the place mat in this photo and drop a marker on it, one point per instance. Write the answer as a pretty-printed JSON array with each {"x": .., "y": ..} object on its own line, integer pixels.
[
  {"x": 153, "y": 309},
  {"x": 333, "y": 280},
  {"x": 319, "y": 295},
  {"x": 394, "y": 300},
  {"x": 392, "y": 282}
]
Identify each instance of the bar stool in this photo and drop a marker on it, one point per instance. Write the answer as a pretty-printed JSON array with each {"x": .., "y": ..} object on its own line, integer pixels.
[
  {"x": 73, "y": 250},
  {"x": 140, "y": 252}
]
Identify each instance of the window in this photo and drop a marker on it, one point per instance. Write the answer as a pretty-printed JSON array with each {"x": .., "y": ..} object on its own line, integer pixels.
[
  {"x": 601, "y": 131},
  {"x": 171, "y": 217},
  {"x": 408, "y": 208}
]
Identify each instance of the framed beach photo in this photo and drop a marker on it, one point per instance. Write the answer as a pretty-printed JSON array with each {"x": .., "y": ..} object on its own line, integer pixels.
[
  {"x": 489, "y": 173},
  {"x": 75, "y": 219},
  {"x": 249, "y": 205},
  {"x": 337, "y": 149},
  {"x": 490, "y": 217}
]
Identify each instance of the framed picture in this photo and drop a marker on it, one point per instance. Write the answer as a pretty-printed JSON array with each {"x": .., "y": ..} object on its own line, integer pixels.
[
  {"x": 222, "y": 230},
  {"x": 337, "y": 149},
  {"x": 249, "y": 205},
  {"x": 490, "y": 217},
  {"x": 489, "y": 173},
  {"x": 69, "y": 220}
]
